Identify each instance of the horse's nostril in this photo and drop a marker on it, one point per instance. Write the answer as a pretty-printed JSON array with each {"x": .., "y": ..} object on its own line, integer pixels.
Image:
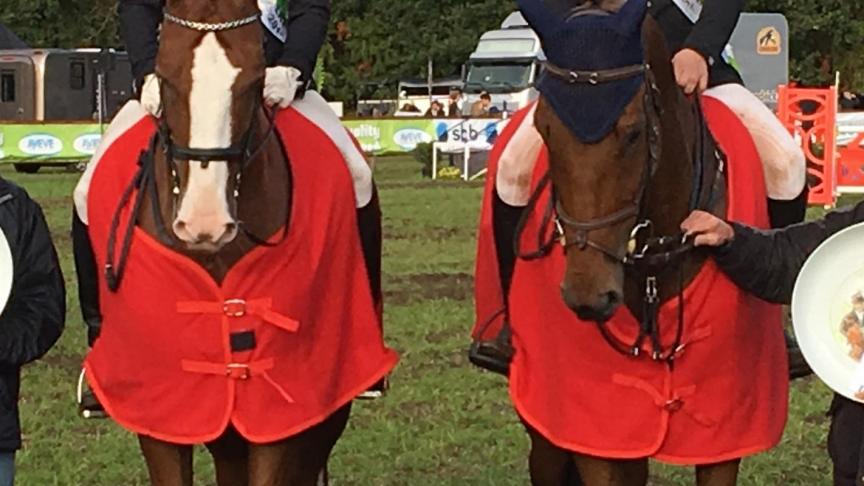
[
  {"x": 602, "y": 309},
  {"x": 613, "y": 298}
]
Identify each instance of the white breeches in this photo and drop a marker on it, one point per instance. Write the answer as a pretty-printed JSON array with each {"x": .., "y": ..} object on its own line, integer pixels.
[
  {"x": 782, "y": 158},
  {"x": 315, "y": 108}
]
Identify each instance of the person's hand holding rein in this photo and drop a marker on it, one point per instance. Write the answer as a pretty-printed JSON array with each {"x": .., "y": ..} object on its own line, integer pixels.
[
  {"x": 707, "y": 230},
  {"x": 691, "y": 71}
]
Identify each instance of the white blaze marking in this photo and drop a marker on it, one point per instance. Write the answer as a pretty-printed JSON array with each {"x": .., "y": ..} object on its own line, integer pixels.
[{"x": 205, "y": 206}]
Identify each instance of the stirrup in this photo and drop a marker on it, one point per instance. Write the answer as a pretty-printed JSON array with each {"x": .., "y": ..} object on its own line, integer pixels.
[
  {"x": 492, "y": 356},
  {"x": 377, "y": 390},
  {"x": 88, "y": 405}
]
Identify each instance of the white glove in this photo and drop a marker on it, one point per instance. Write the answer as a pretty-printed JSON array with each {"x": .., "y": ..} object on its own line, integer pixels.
[
  {"x": 151, "y": 97},
  {"x": 280, "y": 86}
]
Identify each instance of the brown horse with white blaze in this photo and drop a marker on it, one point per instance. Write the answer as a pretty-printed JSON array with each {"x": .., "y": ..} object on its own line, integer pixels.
[{"x": 215, "y": 201}]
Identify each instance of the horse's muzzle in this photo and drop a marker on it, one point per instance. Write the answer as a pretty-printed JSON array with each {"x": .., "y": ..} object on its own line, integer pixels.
[
  {"x": 206, "y": 240},
  {"x": 599, "y": 309}
]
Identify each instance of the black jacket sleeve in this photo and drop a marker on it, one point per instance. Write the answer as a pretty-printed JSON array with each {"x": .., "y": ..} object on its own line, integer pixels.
[
  {"x": 139, "y": 26},
  {"x": 35, "y": 315},
  {"x": 307, "y": 28},
  {"x": 714, "y": 28},
  {"x": 767, "y": 263},
  {"x": 88, "y": 278}
]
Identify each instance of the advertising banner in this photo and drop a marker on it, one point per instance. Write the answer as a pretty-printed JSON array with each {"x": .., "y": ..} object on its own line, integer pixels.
[
  {"x": 48, "y": 143},
  {"x": 393, "y": 136},
  {"x": 78, "y": 141}
]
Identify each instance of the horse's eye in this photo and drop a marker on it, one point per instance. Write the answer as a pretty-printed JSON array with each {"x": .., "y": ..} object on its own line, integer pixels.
[{"x": 632, "y": 135}]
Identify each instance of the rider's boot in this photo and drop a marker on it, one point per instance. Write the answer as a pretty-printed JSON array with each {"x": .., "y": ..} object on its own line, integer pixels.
[
  {"x": 496, "y": 354},
  {"x": 369, "y": 224}
]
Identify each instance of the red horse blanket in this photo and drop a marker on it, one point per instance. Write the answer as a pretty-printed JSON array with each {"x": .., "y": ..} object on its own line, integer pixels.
[
  {"x": 163, "y": 365},
  {"x": 725, "y": 398}
]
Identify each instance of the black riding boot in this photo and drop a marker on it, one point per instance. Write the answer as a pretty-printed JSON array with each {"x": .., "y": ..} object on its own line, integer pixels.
[
  {"x": 369, "y": 223},
  {"x": 496, "y": 355},
  {"x": 782, "y": 214}
]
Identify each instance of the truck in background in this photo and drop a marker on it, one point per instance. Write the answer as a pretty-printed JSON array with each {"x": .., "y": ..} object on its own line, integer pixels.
[{"x": 505, "y": 64}]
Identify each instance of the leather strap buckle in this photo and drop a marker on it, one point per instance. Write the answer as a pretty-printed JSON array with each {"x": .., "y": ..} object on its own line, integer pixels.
[
  {"x": 238, "y": 371},
  {"x": 234, "y": 308}
]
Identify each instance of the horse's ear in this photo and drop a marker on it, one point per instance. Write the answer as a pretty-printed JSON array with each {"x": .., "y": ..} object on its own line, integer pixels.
[
  {"x": 539, "y": 17},
  {"x": 632, "y": 14}
]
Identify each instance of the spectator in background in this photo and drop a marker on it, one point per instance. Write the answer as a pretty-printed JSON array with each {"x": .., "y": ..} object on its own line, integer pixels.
[
  {"x": 481, "y": 107},
  {"x": 436, "y": 110},
  {"x": 33, "y": 318},
  {"x": 410, "y": 108},
  {"x": 851, "y": 101},
  {"x": 454, "y": 107}
]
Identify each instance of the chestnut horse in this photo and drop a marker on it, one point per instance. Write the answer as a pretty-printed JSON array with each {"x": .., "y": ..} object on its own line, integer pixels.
[
  {"x": 617, "y": 184},
  {"x": 222, "y": 188}
]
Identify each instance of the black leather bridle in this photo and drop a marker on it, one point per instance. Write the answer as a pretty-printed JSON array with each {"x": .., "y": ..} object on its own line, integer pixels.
[
  {"x": 646, "y": 256},
  {"x": 144, "y": 181}
]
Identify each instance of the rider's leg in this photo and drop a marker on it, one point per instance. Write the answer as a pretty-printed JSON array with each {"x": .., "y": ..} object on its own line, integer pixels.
[
  {"x": 512, "y": 191},
  {"x": 168, "y": 464},
  {"x": 723, "y": 474},
  {"x": 231, "y": 458},
  {"x": 516, "y": 164},
  {"x": 782, "y": 157},
  {"x": 316, "y": 109},
  {"x": 550, "y": 465},
  {"x": 298, "y": 460},
  {"x": 785, "y": 174},
  {"x": 369, "y": 222},
  {"x": 606, "y": 472},
  {"x": 846, "y": 441}
]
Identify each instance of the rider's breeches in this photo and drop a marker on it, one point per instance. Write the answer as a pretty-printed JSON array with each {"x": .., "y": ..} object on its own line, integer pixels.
[
  {"x": 782, "y": 157},
  {"x": 316, "y": 109}
]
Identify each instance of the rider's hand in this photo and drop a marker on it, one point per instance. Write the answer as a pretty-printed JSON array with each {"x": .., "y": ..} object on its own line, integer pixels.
[
  {"x": 708, "y": 230},
  {"x": 280, "y": 86},
  {"x": 691, "y": 70},
  {"x": 151, "y": 98}
]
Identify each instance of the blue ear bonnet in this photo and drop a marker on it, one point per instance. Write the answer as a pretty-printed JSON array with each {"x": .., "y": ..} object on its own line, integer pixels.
[{"x": 589, "y": 43}]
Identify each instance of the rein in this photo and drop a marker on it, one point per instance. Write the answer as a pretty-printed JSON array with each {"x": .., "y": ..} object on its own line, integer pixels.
[{"x": 656, "y": 253}]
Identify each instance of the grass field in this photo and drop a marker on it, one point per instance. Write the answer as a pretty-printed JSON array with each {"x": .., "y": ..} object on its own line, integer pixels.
[{"x": 444, "y": 423}]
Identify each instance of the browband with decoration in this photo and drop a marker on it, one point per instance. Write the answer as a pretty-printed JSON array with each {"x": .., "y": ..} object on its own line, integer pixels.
[{"x": 211, "y": 27}]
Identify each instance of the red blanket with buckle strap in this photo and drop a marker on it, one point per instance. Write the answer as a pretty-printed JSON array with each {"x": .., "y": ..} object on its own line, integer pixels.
[
  {"x": 164, "y": 366},
  {"x": 725, "y": 398}
]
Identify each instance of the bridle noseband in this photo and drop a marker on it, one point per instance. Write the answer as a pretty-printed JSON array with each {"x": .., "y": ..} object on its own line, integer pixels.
[{"x": 581, "y": 230}]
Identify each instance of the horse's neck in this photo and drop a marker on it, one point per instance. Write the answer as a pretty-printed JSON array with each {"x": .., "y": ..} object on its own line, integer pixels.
[
  {"x": 669, "y": 193},
  {"x": 263, "y": 207}
]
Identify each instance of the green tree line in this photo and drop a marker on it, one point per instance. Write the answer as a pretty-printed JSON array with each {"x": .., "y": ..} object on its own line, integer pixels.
[{"x": 374, "y": 43}]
